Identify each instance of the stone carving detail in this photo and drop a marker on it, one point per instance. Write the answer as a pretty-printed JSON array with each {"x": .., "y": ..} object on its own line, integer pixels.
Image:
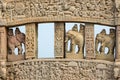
[
  {"x": 118, "y": 42},
  {"x": 15, "y": 41},
  {"x": 117, "y": 70},
  {"x": 59, "y": 40},
  {"x": 89, "y": 41},
  {"x": 31, "y": 46},
  {"x": 1, "y": 9},
  {"x": 60, "y": 70},
  {"x": 2, "y": 70},
  {"x": 105, "y": 40},
  {"x": 3, "y": 43},
  {"x": 117, "y": 8},
  {"x": 117, "y": 73},
  {"x": 77, "y": 39},
  {"x": 102, "y": 9}
]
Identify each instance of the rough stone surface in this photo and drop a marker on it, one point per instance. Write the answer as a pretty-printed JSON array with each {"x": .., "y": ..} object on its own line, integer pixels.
[
  {"x": 24, "y": 11},
  {"x": 3, "y": 70},
  {"x": 59, "y": 40},
  {"x": 118, "y": 42},
  {"x": 89, "y": 41},
  {"x": 31, "y": 12},
  {"x": 3, "y": 44},
  {"x": 60, "y": 70},
  {"x": 31, "y": 41}
]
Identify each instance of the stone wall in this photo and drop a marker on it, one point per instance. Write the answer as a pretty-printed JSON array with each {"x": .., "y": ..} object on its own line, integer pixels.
[
  {"x": 54, "y": 69},
  {"x": 15, "y": 12},
  {"x": 2, "y": 70}
]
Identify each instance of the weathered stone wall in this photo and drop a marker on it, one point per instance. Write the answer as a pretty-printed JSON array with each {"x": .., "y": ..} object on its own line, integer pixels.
[
  {"x": 2, "y": 70},
  {"x": 54, "y": 69},
  {"x": 15, "y": 12}
]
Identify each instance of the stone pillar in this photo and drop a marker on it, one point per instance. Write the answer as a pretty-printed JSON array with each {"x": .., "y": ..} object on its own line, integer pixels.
[
  {"x": 59, "y": 44},
  {"x": 89, "y": 41},
  {"x": 3, "y": 52},
  {"x": 118, "y": 43},
  {"x": 31, "y": 41},
  {"x": 3, "y": 44}
]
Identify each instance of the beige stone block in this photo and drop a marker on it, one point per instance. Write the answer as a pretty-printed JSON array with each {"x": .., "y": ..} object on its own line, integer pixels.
[
  {"x": 59, "y": 40},
  {"x": 3, "y": 44},
  {"x": 31, "y": 41},
  {"x": 89, "y": 41}
]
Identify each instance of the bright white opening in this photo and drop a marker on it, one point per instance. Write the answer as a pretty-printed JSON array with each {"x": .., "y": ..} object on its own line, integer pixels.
[
  {"x": 68, "y": 46},
  {"x": 76, "y": 49},
  {"x": 46, "y": 40},
  {"x": 106, "y": 50}
]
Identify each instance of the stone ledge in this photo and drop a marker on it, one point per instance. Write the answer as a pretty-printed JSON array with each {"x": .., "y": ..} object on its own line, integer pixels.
[
  {"x": 58, "y": 19},
  {"x": 61, "y": 60}
]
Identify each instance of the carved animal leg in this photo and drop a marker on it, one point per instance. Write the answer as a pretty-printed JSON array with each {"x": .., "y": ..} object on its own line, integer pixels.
[
  {"x": 66, "y": 46},
  {"x": 111, "y": 51},
  {"x": 20, "y": 50},
  {"x": 102, "y": 49},
  {"x": 73, "y": 48},
  {"x": 12, "y": 50},
  {"x": 96, "y": 45},
  {"x": 81, "y": 50}
]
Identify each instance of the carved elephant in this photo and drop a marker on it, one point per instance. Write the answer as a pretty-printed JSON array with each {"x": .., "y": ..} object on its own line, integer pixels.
[
  {"x": 13, "y": 43},
  {"x": 106, "y": 41},
  {"x": 76, "y": 39}
]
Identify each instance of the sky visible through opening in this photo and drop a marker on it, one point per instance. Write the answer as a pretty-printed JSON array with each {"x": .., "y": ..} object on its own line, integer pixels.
[{"x": 46, "y": 37}]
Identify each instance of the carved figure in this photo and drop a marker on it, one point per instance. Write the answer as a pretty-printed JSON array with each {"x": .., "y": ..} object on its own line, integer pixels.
[
  {"x": 15, "y": 41},
  {"x": 106, "y": 40},
  {"x": 20, "y": 36},
  {"x": 76, "y": 39},
  {"x": 75, "y": 28}
]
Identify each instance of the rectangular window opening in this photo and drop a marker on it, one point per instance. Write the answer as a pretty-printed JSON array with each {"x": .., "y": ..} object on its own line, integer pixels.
[{"x": 46, "y": 40}]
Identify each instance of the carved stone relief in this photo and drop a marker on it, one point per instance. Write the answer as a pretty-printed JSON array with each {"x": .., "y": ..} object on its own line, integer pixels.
[
  {"x": 102, "y": 9},
  {"x": 3, "y": 70},
  {"x": 60, "y": 70},
  {"x": 77, "y": 39},
  {"x": 1, "y": 9},
  {"x": 117, "y": 71},
  {"x": 31, "y": 41},
  {"x": 3, "y": 44},
  {"x": 59, "y": 40},
  {"x": 105, "y": 40},
  {"x": 117, "y": 42},
  {"x": 15, "y": 41},
  {"x": 89, "y": 41},
  {"x": 117, "y": 8}
]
